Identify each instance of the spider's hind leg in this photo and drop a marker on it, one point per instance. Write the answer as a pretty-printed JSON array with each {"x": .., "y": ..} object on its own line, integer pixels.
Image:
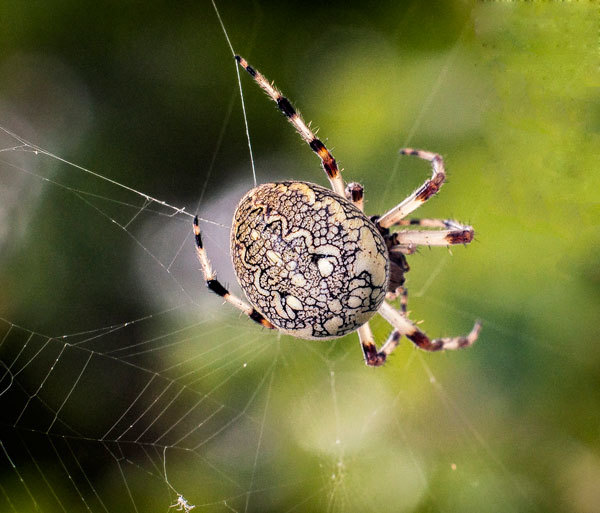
[
  {"x": 374, "y": 357},
  {"x": 401, "y": 323}
]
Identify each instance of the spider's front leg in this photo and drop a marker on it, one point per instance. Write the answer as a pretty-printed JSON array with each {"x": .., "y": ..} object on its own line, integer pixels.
[
  {"x": 327, "y": 161},
  {"x": 453, "y": 233},
  {"x": 215, "y": 285},
  {"x": 422, "y": 194}
]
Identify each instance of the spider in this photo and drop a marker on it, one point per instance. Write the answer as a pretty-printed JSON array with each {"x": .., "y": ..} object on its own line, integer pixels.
[{"x": 314, "y": 266}]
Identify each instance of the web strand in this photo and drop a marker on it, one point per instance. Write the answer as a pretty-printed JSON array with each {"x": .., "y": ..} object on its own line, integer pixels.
[{"x": 239, "y": 81}]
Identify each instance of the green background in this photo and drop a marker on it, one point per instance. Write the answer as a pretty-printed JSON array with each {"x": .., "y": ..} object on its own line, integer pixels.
[{"x": 146, "y": 94}]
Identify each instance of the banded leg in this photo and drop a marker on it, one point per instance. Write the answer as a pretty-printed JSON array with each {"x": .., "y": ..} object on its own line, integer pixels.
[
  {"x": 454, "y": 233},
  {"x": 403, "y": 293},
  {"x": 327, "y": 160},
  {"x": 420, "y": 339},
  {"x": 355, "y": 193},
  {"x": 403, "y": 300},
  {"x": 213, "y": 284},
  {"x": 373, "y": 357},
  {"x": 394, "y": 339},
  {"x": 422, "y": 194}
]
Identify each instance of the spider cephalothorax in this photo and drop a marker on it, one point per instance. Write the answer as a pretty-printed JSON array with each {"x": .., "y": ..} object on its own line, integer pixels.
[{"x": 313, "y": 265}]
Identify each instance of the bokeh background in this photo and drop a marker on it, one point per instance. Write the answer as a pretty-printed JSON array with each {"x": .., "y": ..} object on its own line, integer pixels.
[{"x": 125, "y": 383}]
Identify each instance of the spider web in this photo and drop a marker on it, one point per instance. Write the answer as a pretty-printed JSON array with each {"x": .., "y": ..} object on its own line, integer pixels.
[{"x": 165, "y": 400}]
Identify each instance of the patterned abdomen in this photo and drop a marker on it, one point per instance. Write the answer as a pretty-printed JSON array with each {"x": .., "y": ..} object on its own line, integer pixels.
[{"x": 310, "y": 261}]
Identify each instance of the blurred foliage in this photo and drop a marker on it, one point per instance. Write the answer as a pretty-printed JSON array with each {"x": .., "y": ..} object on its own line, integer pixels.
[{"x": 146, "y": 94}]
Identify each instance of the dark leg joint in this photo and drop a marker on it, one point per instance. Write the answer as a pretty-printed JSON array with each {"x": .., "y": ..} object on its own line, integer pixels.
[
  {"x": 409, "y": 151},
  {"x": 373, "y": 358},
  {"x": 462, "y": 237},
  {"x": 354, "y": 192},
  {"x": 217, "y": 288},
  {"x": 428, "y": 190},
  {"x": 197, "y": 234},
  {"x": 421, "y": 340},
  {"x": 331, "y": 168},
  {"x": 317, "y": 146},
  {"x": 285, "y": 106},
  {"x": 256, "y": 317},
  {"x": 246, "y": 66}
]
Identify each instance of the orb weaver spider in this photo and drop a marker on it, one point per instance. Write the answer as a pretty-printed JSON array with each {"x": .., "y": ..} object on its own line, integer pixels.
[{"x": 314, "y": 266}]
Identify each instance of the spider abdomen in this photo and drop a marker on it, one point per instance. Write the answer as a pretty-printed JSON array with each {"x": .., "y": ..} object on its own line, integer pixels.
[{"x": 308, "y": 260}]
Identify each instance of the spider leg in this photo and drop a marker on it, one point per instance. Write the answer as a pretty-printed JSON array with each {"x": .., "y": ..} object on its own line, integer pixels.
[
  {"x": 355, "y": 193},
  {"x": 393, "y": 339},
  {"x": 420, "y": 339},
  {"x": 213, "y": 284},
  {"x": 403, "y": 300},
  {"x": 422, "y": 194},
  {"x": 429, "y": 223},
  {"x": 454, "y": 233},
  {"x": 373, "y": 357},
  {"x": 329, "y": 164},
  {"x": 403, "y": 293}
]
